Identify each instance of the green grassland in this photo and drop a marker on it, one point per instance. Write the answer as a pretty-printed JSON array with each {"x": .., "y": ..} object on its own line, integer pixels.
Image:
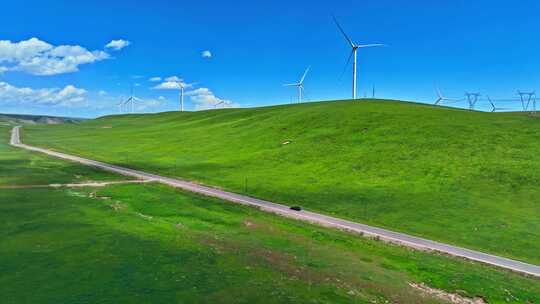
[
  {"x": 20, "y": 167},
  {"x": 462, "y": 177},
  {"x": 154, "y": 244}
]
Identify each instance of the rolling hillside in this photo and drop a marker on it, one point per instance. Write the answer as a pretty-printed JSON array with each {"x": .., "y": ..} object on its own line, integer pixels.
[
  {"x": 17, "y": 119},
  {"x": 154, "y": 244},
  {"x": 462, "y": 177}
]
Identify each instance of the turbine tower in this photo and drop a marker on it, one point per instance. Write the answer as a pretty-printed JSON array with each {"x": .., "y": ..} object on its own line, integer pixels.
[
  {"x": 354, "y": 49},
  {"x": 182, "y": 86},
  {"x": 299, "y": 85}
]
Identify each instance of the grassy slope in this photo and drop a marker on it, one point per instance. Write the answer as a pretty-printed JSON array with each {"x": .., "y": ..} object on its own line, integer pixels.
[
  {"x": 153, "y": 244},
  {"x": 462, "y": 177},
  {"x": 19, "y": 167}
]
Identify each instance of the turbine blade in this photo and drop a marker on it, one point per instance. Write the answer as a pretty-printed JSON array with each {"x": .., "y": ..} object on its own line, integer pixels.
[
  {"x": 370, "y": 45},
  {"x": 439, "y": 94},
  {"x": 346, "y": 64},
  {"x": 291, "y": 85},
  {"x": 127, "y": 100},
  {"x": 343, "y": 32},
  {"x": 304, "y": 76}
]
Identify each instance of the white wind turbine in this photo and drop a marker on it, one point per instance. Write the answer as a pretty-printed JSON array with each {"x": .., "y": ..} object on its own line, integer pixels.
[
  {"x": 130, "y": 101},
  {"x": 299, "y": 85},
  {"x": 182, "y": 86},
  {"x": 354, "y": 48},
  {"x": 441, "y": 98},
  {"x": 222, "y": 103}
]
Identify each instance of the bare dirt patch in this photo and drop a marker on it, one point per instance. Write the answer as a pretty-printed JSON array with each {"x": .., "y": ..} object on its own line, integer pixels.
[
  {"x": 117, "y": 206},
  {"x": 249, "y": 223},
  {"x": 447, "y": 296},
  {"x": 75, "y": 185}
]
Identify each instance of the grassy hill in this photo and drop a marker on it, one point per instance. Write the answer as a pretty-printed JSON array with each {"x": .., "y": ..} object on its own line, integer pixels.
[
  {"x": 462, "y": 177},
  {"x": 153, "y": 244},
  {"x": 17, "y": 119}
]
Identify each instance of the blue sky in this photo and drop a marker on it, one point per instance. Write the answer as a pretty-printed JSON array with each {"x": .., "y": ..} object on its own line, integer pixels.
[{"x": 485, "y": 46}]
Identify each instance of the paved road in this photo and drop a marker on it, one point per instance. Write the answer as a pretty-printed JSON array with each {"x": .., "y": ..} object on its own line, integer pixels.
[{"x": 315, "y": 218}]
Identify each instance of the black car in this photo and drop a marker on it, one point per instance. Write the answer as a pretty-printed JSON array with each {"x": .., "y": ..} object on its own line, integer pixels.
[{"x": 296, "y": 208}]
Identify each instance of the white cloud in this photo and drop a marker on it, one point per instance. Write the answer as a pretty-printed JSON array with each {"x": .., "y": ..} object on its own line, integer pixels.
[
  {"x": 67, "y": 96},
  {"x": 22, "y": 50},
  {"x": 205, "y": 99},
  {"x": 206, "y": 54},
  {"x": 137, "y": 84},
  {"x": 102, "y": 93},
  {"x": 173, "y": 78},
  {"x": 148, "y": 105},
  {"x": 155, "y": 79},
  {"x": 161, "y": 98},
  {"x": 117, "y": 44},
  {"x": 37, "y": 57},
  {"x": 172, "y": 83}
]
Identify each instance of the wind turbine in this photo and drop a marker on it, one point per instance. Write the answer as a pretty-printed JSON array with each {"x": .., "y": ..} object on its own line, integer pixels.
[
  {"x": 299, "y": 85},
  {"x": 131, "y": 100},
  {"x": 441, "y": 98},
  {"x": 493, "y": 107},
  {"x": 182, "y": 86},
  {"x": 354, "y": 49},
  {"x": 223, "y": 103}
]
